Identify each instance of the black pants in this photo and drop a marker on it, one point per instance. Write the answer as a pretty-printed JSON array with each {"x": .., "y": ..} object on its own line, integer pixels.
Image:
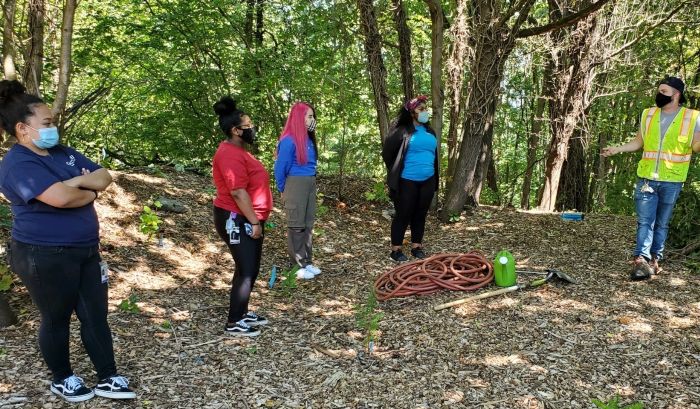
[
  {"x": 412, "y": 204},
  {"x": 246, "y": 255},
  {"x": 61, "y": 280}
]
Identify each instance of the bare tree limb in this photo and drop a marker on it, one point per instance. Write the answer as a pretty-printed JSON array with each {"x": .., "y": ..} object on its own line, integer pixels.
[{"x": 563, "y": 22}]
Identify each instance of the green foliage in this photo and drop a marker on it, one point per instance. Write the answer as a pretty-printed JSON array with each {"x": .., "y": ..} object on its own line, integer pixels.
[
  {"x": 166, "y": 325},
  {"x": 378, "y": 193},
  {"x": 366, "y": 316},
  {"x": 288, "y": 282},
  {"x": 5, "y": 278},
  {"x": 5, "y": 216},
  {"x": 321, "y": 208},
  {"x": 5, "y": 282},
  {"x": 614, "y": 403},
  {"x": 129, "y": 305},
  {"x": 150, "y": 222},
  {"x": 252, "y": 350}
]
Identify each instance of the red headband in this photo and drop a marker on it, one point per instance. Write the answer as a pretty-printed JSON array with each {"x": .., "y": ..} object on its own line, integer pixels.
[{"x": 412, "y": 104}]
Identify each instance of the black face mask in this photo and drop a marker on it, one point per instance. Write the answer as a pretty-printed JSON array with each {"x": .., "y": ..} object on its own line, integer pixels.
[
  {"x": 248, "y": 135},
  {"x": 662, "y": 100}
]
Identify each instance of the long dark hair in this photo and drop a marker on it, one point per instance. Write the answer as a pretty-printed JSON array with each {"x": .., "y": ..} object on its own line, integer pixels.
[
  {"x": 15, "y": 105},
  {"x": 229, "y": 115}
]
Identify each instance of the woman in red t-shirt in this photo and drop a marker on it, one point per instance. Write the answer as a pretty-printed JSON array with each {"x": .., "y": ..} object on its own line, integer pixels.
[{"x": 242, "y": 204}]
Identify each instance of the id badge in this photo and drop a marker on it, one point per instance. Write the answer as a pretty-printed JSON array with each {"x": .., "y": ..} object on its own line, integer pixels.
[
  {"x": 234, "y": 235},
  {"x": 104, "y": 271}
]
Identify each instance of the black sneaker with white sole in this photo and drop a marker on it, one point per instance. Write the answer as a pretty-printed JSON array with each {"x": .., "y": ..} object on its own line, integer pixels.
[
  {"x": 114, "y": 387},
  {"x": 72, "y": 389},
  {"x": 253, "y": 319},
  {"x": 241, "y": 329}
]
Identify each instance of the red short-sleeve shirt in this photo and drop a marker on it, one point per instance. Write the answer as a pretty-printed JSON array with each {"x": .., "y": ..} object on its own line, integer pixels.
[{"x": 234, "y": 168}]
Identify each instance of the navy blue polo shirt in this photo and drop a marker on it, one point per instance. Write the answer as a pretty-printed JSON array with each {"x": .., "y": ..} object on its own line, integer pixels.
[{"x": 24, "y": 175}]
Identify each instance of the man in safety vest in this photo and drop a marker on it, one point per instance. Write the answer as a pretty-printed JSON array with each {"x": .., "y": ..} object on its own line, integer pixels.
[{"x": 669, "y": 134}]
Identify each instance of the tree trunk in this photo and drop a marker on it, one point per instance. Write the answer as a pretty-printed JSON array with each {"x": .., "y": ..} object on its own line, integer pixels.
[
  {"x": 259, "y": 23},
  {"x": 34, "y": 65},
  {"x": 437, "y": 17},
  {"x": 249, "y": 22},
  {"x": 65, "y": 62},
  {"x": 7, "y": 316},
  {"x": 375, "y": 62},
  {"x": 404, "y": 36},
  {"x": 566, "y": 108},
  {"x": 533, "y": 141},
  {"x": 574, "y": 183},
  {"x": 455, "y": 82},
  {"x": 8, "y": 41},
  {"x": 477, "y": 130}
]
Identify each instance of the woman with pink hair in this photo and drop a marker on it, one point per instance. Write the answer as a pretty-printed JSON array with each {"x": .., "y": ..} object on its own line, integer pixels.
[{"x": 295, "y": 176}]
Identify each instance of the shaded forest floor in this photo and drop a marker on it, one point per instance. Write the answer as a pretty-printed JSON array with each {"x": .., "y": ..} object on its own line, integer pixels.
[{"x": 553, "y": 347}]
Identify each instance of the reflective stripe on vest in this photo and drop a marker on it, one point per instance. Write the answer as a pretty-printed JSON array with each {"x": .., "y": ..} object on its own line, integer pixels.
[{"x": 666, "y": 156}]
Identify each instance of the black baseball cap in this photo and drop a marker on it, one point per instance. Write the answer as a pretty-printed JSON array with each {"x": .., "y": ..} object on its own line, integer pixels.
[{"x": 678, "y": 84}]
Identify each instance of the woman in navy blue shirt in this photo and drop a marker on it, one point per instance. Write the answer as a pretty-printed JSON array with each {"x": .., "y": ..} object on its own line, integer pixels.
[
  {"x": 55, "y": 242},
  {"x": 295, "y": 176},
  {"x": 411, "y": 159}
]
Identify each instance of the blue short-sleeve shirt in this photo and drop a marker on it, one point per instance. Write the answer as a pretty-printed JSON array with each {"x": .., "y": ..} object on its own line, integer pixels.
[{"x": 24, "y": 175}]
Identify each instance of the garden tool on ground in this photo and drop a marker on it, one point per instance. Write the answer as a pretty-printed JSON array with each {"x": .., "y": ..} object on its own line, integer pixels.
[{"x": 549, "y": 275}]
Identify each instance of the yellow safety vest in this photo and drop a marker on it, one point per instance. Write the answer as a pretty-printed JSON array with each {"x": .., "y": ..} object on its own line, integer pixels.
[{"x": 666, "y": 157}]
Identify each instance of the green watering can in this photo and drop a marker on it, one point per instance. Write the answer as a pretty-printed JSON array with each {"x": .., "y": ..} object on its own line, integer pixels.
[{"x": 504, "y": 269}]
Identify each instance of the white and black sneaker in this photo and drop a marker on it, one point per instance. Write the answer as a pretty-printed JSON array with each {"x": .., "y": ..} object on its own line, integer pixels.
[
  {"x": 72, "y": 389},
  {"x": 241, "y": 329},
  {"x": 253, "y": 319},
  {"x": 114, "y": 387}
]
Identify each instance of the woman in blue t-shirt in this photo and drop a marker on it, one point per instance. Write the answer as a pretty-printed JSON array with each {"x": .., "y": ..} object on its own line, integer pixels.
[
  {"x": 55, "y": 242},
  {"x": 295, "y": 176},
  {"x": 410, "y": 155}
]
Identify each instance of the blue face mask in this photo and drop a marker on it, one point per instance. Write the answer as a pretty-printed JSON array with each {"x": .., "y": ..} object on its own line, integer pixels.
[
  {"x": 423, "y": 116},
  {"x": 48, "y": 138}
]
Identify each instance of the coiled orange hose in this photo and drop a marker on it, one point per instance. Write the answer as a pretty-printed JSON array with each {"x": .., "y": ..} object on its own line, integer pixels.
[{"x": 457, "y": 272}]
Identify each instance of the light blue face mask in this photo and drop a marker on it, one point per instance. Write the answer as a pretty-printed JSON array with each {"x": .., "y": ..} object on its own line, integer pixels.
[
  {"x": 48, "y": 137},
  {"x": 423, "y": 116}
]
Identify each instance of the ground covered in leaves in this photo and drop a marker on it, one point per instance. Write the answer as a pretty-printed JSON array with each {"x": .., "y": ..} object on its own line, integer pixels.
[{"x": 553, "y": 347}]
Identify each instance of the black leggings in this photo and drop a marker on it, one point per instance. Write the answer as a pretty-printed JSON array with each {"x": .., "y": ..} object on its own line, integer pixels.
[
  {"x": 61, "y": 280},
  {"x": 246, "y": 256},
  {"x": 411, "y": 203}
]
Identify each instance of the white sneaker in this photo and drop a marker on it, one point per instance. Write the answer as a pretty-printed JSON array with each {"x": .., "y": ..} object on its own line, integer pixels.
[
  {"x": 304, "y": 274},
  {"x": 313, "y": 269}
]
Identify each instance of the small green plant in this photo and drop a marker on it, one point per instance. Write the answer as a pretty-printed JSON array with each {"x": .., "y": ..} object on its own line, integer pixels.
[
  {"x": 179, "y": 167},
  {"x": 367, "y": 317},
  {"x": 156, "y": 170},
  {"x": 150, "y": 222},
  {"x": 251, "y": 350},
  {"x": 321, "y": 209},
  {"x": 377, "y": 193},
  {"x": 289, "y": 282},
  {"x": 3, "y": 351},
  {"x": 166, "y": 325},
  {"x": 5, "y": 278},
  {"x": 5, "y": 216},
  {"x": 129, "y": 305},
  {"x": 454, "y": 217},
  {"x": 614, "y": 403}
]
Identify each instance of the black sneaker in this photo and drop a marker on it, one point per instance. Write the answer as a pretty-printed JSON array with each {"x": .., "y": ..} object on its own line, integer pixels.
[
  {"x": 114, "y": 387},
  {"x": 72, "y": 389},
  {"x": 641, "y": 269},
  {"x": 418, "y": 252},
  {"x": 253, "y": 319},
  {"x": 241, "y": 329},
  {"x": 398, "y": 256}
]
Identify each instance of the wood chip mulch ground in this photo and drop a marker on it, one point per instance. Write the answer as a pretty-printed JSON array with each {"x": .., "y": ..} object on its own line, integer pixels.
[{"x": 559, "y": 346}]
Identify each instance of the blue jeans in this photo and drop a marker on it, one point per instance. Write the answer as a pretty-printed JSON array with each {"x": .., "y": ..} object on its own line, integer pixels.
[{"x": 654, "y": 210}]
